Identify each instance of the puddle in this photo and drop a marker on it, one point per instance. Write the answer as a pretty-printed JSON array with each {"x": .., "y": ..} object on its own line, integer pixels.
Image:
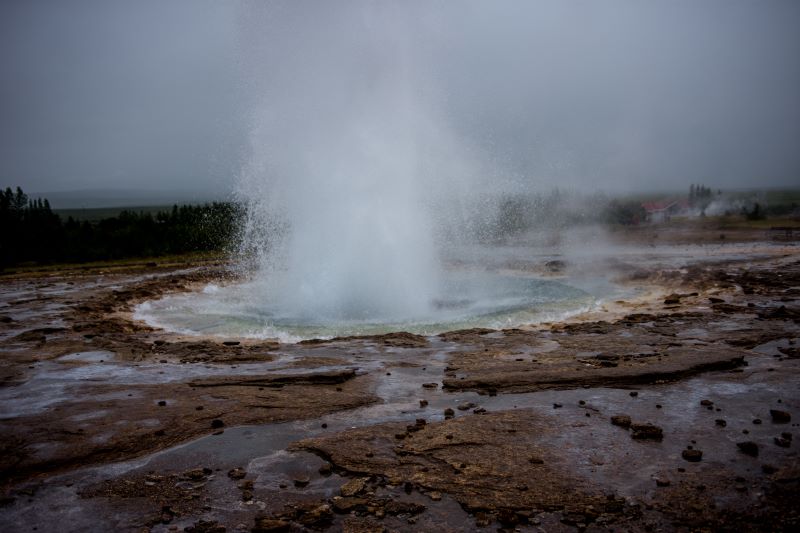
[
  {"x": 88, "y": 357},
  {"x": 63, "y": 380},
  {"x": 594, "y": 449}
]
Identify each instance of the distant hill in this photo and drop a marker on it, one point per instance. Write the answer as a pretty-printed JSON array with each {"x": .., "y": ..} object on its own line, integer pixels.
[{"x": 110, "y": 198}]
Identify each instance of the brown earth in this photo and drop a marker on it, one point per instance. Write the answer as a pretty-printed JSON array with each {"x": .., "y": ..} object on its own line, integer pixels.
[{"x": 504, "y": 467}]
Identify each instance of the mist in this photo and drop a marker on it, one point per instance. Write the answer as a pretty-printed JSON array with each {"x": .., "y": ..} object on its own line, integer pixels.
[{"x": 615, "y": 96}]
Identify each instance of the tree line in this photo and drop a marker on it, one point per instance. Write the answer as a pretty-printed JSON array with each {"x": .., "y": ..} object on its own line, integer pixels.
[{"x": 32, "y": 233}]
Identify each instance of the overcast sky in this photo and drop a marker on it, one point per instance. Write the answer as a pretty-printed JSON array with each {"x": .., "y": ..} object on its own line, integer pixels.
[{"x": 176, "y": 95}]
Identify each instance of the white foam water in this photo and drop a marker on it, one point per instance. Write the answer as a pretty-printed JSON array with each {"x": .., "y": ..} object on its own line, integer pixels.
[{"x": 465, "y": 301}]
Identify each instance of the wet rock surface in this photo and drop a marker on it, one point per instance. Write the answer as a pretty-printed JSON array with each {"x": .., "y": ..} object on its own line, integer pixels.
[
  {"x": 343, "y": 434},
  {"x": 481, "y": 461}
]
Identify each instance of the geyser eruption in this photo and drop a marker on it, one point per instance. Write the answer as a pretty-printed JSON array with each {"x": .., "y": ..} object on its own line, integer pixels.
[
  {"x": 340, "y": 182},
  {"x": 358, "y": 190},
  {"x": 351, "y": 235}
]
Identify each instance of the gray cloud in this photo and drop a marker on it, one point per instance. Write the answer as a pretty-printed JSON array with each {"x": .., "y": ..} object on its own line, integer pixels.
[
  {"x": 612, "y": 94},
  {"x": 117, "y": 94}
]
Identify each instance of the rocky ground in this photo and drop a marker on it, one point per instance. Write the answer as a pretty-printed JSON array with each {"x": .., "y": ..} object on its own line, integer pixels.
[{"x": 675, "y": 410}]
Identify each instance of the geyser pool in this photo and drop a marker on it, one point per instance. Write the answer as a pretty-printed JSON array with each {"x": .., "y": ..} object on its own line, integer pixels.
[
  {"x": 356, "y": 185},
  {"x": 464, "y": 300}
]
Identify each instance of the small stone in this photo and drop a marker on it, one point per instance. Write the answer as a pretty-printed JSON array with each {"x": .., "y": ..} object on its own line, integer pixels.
[
  {"x": 780, "y": 417},
  {"x": 217, "y": 423},
  {"x": 325, "y": 470},
  {"x": 662, "y": 482},
  {"x": 581, "y": 402},
  {"x": 396, "y": 507},
  {"x": 536, "y": 460},
  {"x": 768, "y": 469},
  {"x": 195, "y": 475},
  {"x": 449, "y": 413},
  {"x": 301, "y": 482},
  {"x": 507, "y": 517},
  {"x": 353, "y": 487},
  {"x": 435, "y": 496},
  {"x": 162, "y": 403},
  {"x": 346, "y": 505},
  {"x": 237, "y": 473},
  {"x": 633, "y": 394},
  {"x": 423, "y": 403},
  {"x": 270, "y": 525},
  {"x": 748, "y": 448},
  {"x": 324, "y": 425},
  {"x": 757, "y": 421},
  {"x": 646, "y": 432},
  {"x": 199, "y": 408},
  {"x": 621, "y": 421},
  {"x": 706, "y": 403},
  {"x": 465, "y": 406},
  {"x": 319, "y": 517},
  {"x": 658, "y": 406},
  {"x": 692, "y": 456},
  {"x": 783, "y": 443},
  {"x": 720, "y": 422},
  {"x": 430, "y": 385},
  {"x": 557, "y": 406}
]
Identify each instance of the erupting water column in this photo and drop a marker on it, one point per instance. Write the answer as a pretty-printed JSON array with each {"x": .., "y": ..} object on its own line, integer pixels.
[{"x": 337, "y": 186}]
